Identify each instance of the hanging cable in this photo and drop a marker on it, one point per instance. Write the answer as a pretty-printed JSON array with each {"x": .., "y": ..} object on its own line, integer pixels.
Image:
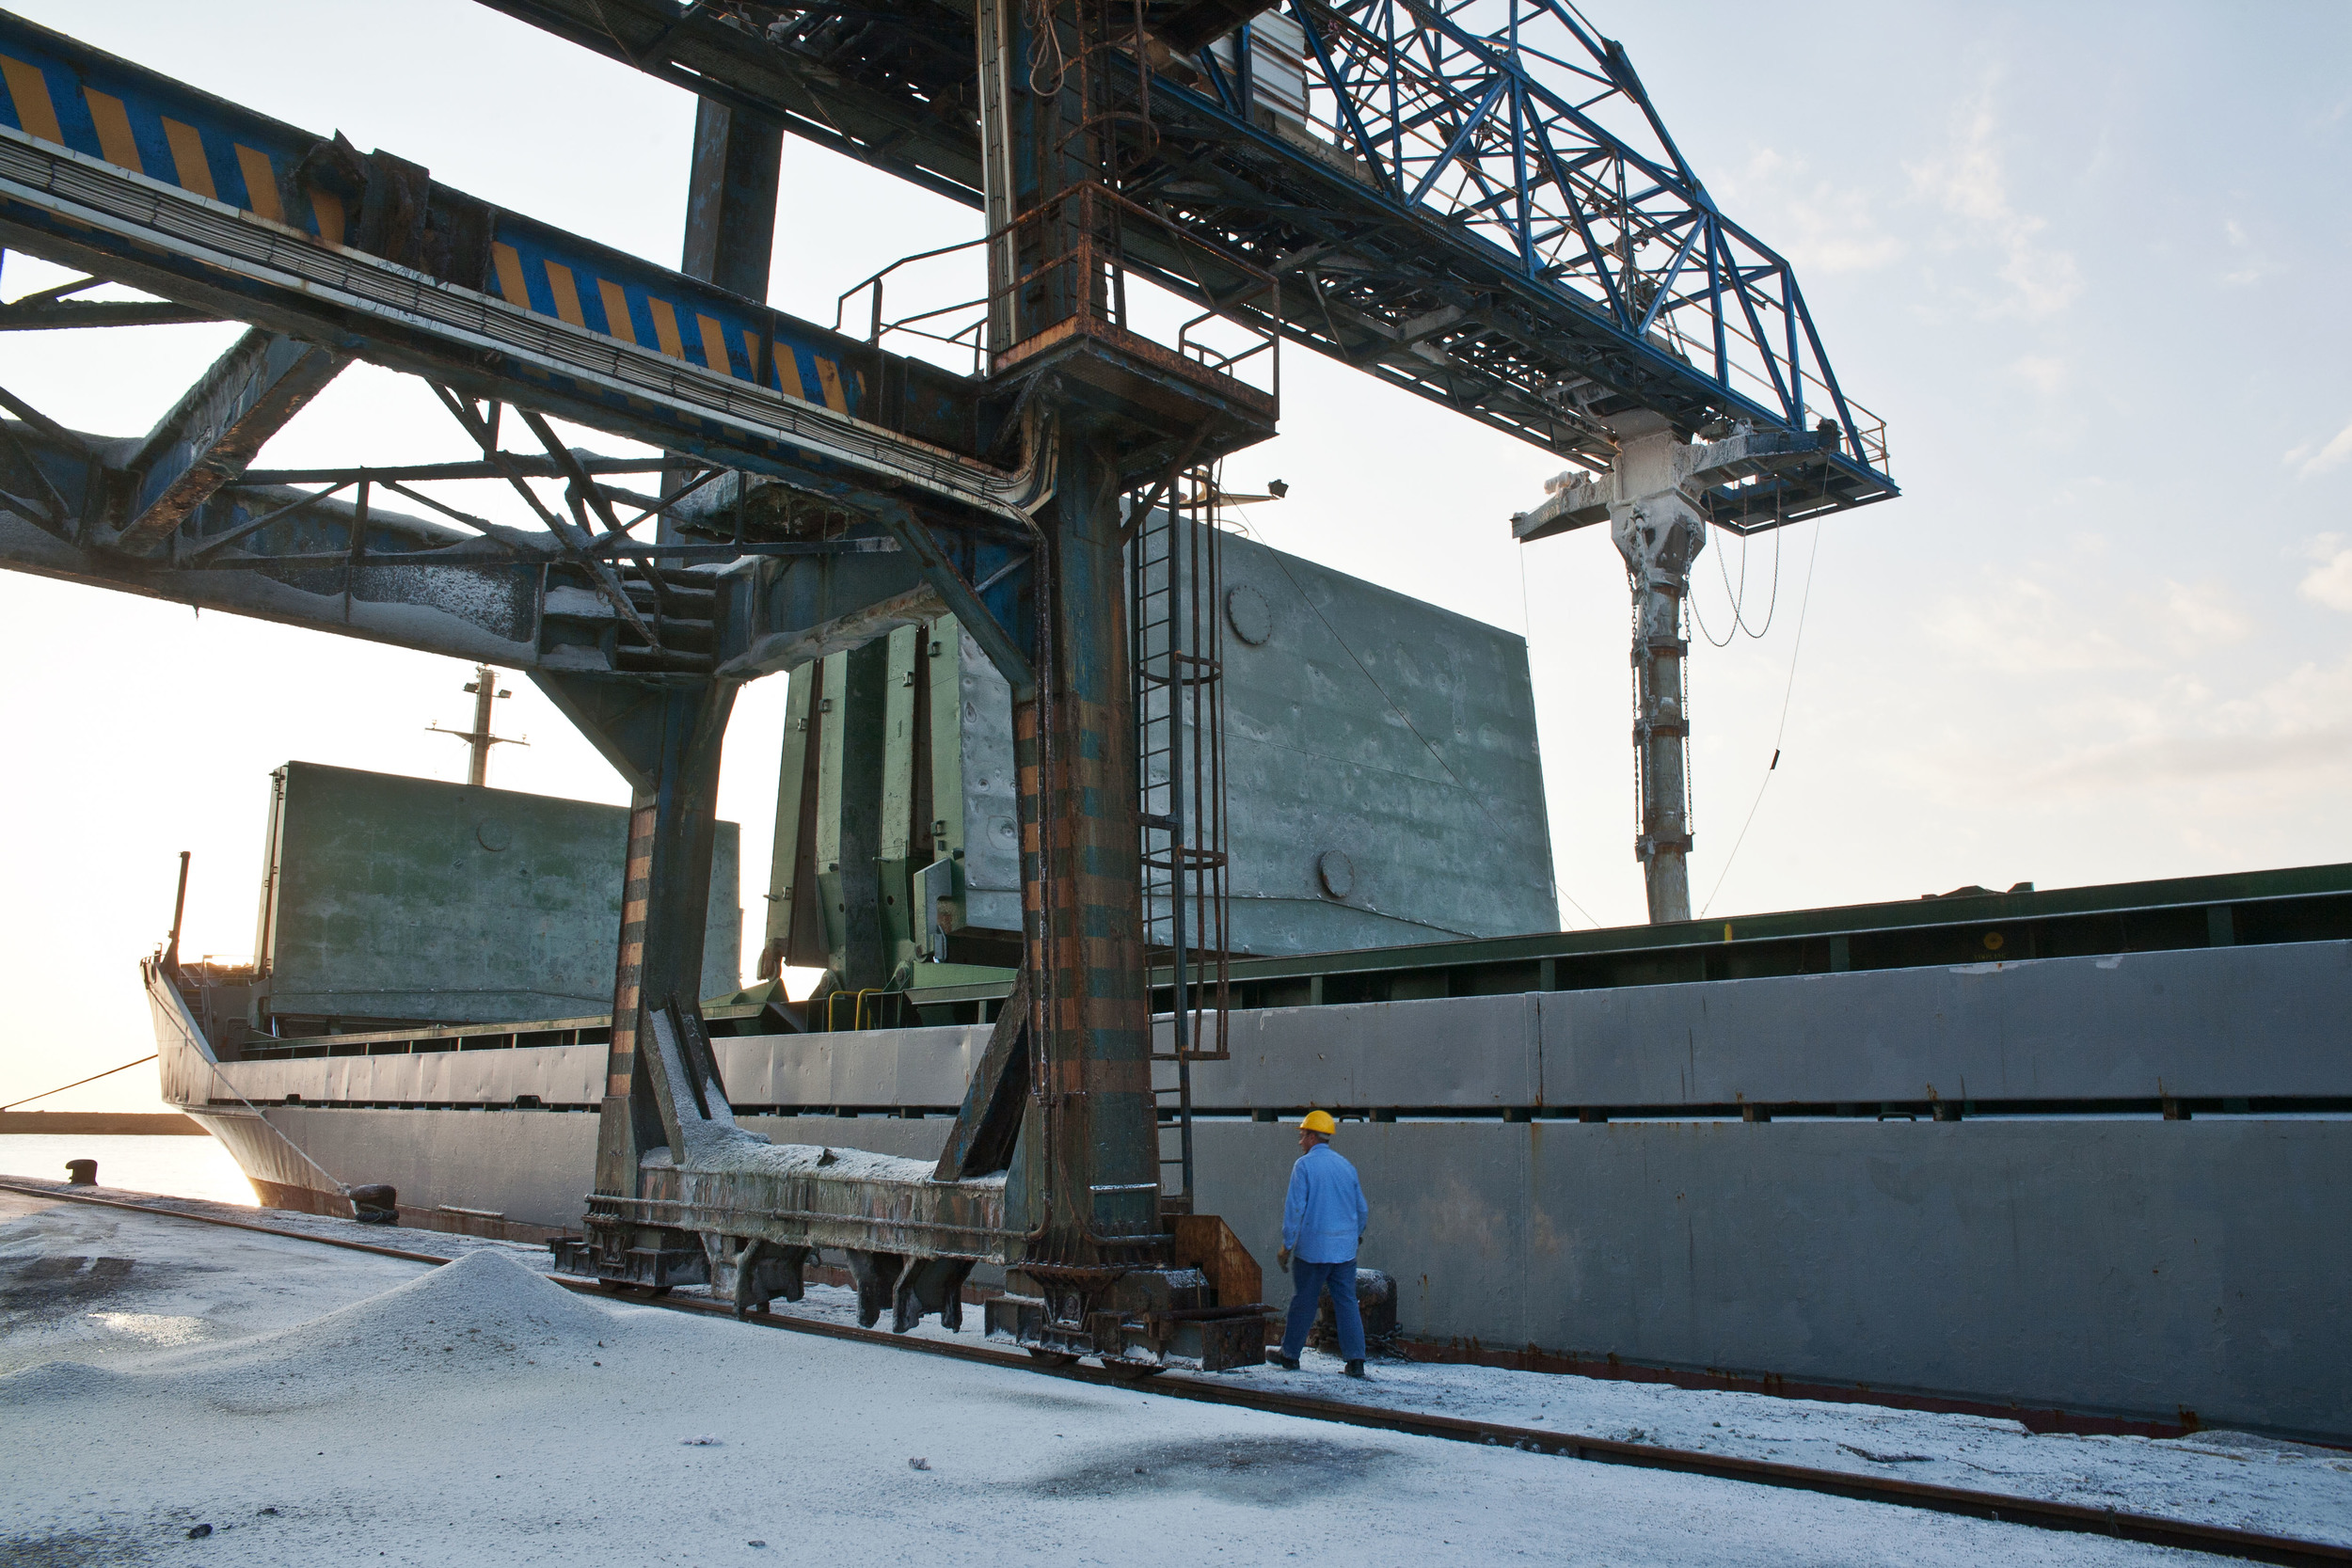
[
  {"x": 1046, "y": 81},
  {"x": 1700, "y": 621},
  {"x": 1738, "y": 597},
  {"x": 79, "y": 1082},
  {"x": 1803, "y": 603},
  {"x": 1740, "y": 600},
  {"x": 1691, "y": 600}
]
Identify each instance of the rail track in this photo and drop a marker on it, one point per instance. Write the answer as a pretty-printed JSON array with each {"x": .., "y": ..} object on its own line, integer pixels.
[{"x": 1999, "y": 1508}]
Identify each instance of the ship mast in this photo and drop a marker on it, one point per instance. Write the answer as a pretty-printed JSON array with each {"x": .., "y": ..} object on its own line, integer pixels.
[{"x": 479, "y": 739}]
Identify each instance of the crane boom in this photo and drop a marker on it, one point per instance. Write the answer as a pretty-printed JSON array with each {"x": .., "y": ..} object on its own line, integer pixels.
[{"x": 1476, "y": 202}]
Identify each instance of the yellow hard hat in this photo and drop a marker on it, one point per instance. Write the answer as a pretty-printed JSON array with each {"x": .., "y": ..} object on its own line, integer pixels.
[{"x": 1319, "y": 1122}]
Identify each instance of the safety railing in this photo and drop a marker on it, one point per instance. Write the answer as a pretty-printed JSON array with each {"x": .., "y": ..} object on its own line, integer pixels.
[
  {"x": 1080, "y": 255},
  {"x": 1090, "y": 253},
  {"x": 933, "y": 325},
  {"x": 870, "y": 1008},
  {"x": 1865, "y": 438}
]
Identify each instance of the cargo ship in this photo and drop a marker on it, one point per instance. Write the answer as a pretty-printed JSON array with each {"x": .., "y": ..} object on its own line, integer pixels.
[{"x": 2071, "y": 1155}]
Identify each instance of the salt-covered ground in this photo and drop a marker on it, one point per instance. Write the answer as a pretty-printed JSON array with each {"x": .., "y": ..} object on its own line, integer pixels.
[
  {"x": 2236, "y": 1479},
  {"x": 317, "y": 1406}
]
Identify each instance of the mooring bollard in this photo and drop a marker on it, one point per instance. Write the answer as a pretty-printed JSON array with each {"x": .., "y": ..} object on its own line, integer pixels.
[{"x": 81, "y": 1173}]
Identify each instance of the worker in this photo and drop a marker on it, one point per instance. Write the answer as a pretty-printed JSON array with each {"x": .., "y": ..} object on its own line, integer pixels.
[{"x": 1323, "y": 1224}]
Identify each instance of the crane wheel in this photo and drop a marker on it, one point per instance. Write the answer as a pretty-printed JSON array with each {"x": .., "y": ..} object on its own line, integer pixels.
[{"x": 1133, "y": 1372}]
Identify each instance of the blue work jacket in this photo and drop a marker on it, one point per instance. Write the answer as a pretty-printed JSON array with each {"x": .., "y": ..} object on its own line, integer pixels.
[{"x": 1326, "y": 1213}]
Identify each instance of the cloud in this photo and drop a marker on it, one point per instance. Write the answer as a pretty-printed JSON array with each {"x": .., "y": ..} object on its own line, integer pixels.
[
  {"x": 2330, "y": 582},
  {"x": 2198, "y": 616},
  {"x": 1821, "y": 227},
  {"x": 2256, "y": 267},
  {"x": 2180, "y": 758},
  {"x": 2339, "y": 446},
  {"x": 2026, "y": 627},
  {"x": 2043, "y": 372},
  {"x": 1971, "y": 182},
  {"x": 2021, "y": 627},
  {"x": 2288, "y": 737}
]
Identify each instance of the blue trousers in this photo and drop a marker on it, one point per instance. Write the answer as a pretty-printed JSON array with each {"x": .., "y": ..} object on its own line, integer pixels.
[{"x": 1308, "y": 1283}]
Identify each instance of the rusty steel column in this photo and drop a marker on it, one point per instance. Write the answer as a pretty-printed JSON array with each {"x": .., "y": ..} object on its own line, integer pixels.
[
  {"x": 665, "y": 740},
  {"x": 1088, "y": 1177},
  {"x": 1099, "y": 1272},
  {"x": 1086, "y": 1182},
  {"x": 629, "y": 1123}
]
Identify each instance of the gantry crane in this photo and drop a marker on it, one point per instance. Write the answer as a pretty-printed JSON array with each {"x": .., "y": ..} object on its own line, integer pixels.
[
  {"x": 1476, "y": 201},
  {"x": 1427, "y": 193}
]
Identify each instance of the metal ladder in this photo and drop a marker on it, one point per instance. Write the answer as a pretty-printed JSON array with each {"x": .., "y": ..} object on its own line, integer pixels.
[{"x": 1176, "y": 564}]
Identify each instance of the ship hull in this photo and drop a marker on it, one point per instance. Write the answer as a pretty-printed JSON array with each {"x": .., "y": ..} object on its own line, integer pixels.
[{"x": 2080, "y": 1253}]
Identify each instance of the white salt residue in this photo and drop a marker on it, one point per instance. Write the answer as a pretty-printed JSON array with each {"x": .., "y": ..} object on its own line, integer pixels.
[
  {"x": 483, "y": 1315},
  {"x": 2234, "y": 1479},
  {"x": 722, "y": 1149},
  {"x": 513, "y": 1461},
  {"x": 94, "y": 1284},
  {"x": 156, "y": 1328},
  {"x": 62, "y": 1383}
]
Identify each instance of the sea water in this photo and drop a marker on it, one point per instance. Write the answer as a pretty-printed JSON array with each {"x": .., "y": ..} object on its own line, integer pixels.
[{"x": 180, "y": 1166}]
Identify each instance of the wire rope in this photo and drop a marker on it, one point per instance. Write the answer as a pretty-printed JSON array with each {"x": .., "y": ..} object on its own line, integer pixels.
[
  {"x": 79, "y": 1082},
  {"x": 1804, "y": 603},
  {"x": 1739, "y": 603},
  {"x": 1700, "y": 621},
  {"x": 1738, "y": 597}
]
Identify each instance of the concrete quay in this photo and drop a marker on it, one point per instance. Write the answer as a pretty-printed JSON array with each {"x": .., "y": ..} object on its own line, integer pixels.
[{"x": 321, "y": 1404}]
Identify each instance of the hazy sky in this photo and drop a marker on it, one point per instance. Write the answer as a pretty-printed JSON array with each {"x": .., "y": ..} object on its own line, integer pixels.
[{"x": 2079, "y": 260}]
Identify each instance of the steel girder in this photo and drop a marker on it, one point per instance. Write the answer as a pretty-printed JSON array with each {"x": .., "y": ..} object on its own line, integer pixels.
[
  {"x": 1484, "y": 208},
  {"x": 367, "y": 258},
  {"x": 212, "y": 433},
  {"x": 321, "y": 561},
  {"x": 51, "y": 308}
]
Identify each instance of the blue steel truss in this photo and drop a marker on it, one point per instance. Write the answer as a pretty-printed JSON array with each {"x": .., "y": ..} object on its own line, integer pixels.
[
  {"x": 1515, "y": 122},
  {"x": 1480, "y": 204}
]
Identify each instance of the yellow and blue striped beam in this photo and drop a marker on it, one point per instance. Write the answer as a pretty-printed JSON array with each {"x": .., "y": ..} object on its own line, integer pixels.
[
  {"x": 127, "y": 174},
  {"x": 61, "y": 91}
]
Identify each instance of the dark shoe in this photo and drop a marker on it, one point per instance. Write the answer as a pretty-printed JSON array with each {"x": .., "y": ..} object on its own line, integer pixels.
[
  {"x": 1355, "y": 1369},
  {"x": 1283, "y": 1361}
]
